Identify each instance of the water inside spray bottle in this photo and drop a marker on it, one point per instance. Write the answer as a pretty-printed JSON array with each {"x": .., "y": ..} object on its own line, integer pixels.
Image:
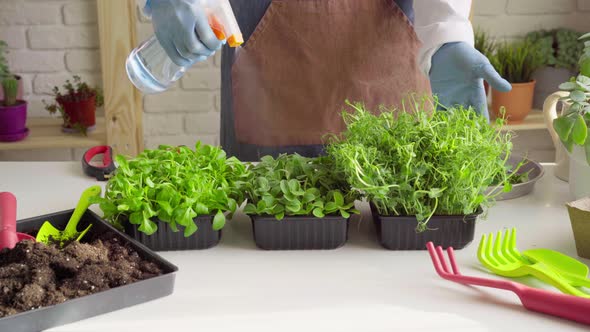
[{"x": 150, "y": 69}]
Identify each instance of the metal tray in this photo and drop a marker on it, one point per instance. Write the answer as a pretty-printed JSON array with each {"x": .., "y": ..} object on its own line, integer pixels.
[
  {"x": 520, "y": 189},
  {"x": 95, "y": 304}
]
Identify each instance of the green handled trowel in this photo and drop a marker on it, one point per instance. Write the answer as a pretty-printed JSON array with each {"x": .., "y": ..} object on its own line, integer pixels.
[{"x": 49, "y": 234}]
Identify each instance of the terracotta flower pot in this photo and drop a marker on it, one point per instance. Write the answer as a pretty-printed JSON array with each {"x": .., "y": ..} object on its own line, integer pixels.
[
  {"x": 579, "y": 212},
  {"x": 13, "y": 121},
  {"x": 79, "y": 112},
  {"x": 518, "y": 102}
]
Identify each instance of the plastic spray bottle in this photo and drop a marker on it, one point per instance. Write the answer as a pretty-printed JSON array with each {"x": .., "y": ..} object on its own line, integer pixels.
[{"x": 151, "y": 70}]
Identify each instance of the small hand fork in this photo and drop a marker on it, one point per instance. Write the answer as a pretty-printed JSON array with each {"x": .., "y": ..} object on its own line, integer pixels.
[
  {"x": 559, "y": 305},
  {"x": 502, "y": 258}
]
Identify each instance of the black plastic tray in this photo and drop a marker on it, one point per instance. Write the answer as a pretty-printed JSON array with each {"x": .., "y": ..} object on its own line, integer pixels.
[
  {"x": 95, "y": 304},
  {"x": 399, "y": 232},
  {"x": 299, "y": 232},
  {"x": 164, "y": 239}
]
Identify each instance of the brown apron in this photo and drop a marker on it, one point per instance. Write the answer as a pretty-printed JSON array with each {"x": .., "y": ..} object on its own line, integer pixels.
[{"x": 307, "y": 57}]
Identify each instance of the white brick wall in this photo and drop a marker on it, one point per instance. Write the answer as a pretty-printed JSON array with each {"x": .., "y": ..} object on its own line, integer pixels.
[
  {"x": 513, "y": 18},
  {"x": 54, "y": 38},
  {"x": 49, "y": 41}
]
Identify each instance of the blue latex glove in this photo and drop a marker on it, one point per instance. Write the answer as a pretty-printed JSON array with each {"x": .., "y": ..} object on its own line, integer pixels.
[
  {"x": 457, "y": 74},
  {"x": 182, "y": 28}
]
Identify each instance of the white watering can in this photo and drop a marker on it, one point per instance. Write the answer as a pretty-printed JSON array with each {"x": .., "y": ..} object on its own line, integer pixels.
[
  {"x": 561, "y": 155},
  {"x": 567, "y": 165}
]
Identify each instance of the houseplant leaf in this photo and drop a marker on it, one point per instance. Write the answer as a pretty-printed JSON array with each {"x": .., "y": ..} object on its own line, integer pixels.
[
  {"x": 563, "y": 125},
  {"x": 579, "y": 131}
]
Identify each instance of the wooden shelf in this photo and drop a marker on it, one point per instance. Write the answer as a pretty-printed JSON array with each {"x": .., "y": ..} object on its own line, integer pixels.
[
  {"x": 45, "y": 133},
  {"x": 534, "y": 121}
]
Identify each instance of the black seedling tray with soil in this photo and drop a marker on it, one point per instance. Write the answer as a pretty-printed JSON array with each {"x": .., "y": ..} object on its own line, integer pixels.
[
  {"x": 299, "y": 232},
  {"x": 399, "y": 232},
  {"x": 44, "y": 287},
  {"x": 165, "y": 239}
]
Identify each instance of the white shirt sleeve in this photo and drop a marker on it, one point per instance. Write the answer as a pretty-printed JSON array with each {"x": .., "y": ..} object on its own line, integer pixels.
[{"x": 438, "y": 22}]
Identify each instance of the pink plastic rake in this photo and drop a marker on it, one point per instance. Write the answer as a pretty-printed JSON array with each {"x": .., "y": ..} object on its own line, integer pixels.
[{"x": 533, "y": 299}]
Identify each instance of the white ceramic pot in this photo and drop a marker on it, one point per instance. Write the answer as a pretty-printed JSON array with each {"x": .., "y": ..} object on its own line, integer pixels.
[
  {"x": 579, "y": 173},
  {"x": 561, "y": 155}
]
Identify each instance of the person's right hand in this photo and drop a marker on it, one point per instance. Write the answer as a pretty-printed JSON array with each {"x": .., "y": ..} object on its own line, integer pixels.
[{"x": 182, "y": 28}]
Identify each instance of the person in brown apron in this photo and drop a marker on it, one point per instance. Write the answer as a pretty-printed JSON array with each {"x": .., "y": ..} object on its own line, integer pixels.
[{"x": 284, "y": 90}]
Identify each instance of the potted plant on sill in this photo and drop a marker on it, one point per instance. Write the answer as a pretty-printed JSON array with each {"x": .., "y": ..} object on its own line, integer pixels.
[
  {"x": 5, "y": 71},
  {"x": 163, "y": 191},
  {"x": 76, "y": 105},
  {"x": 572, "y": 125},
  {"x": 424, "y": 175},
  {"x": 486, "y": 45},
  {"x": 560, "y": 51},
  {"x": 298, "y": 203},
  {"x": 516, "y": 62},
  {"x": 13, "y": 112}
]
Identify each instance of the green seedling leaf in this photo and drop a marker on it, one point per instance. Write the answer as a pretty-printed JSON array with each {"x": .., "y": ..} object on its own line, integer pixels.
[
  {"x": 218, "y": 221},
  {"x": 250, "y": 209},
  {"x": 295, "y": 188},
  {"x": 331, "y": 207},
  {"x": 293, "y": 206},
  {"x": 435, "y": 193},
  {"x": 190, "y": 229},
  {"x": 319, "y": 213},
  {"x": 263, "y": 184},
  {"x": 202, "y": 209},
  {"x": 344, "y": 214},
  {"x": 284, "y": 184},
  {"x": 166, "y": 207},
  {"x": 338, "y": 198},
  {"x": 148, "y": 227}
]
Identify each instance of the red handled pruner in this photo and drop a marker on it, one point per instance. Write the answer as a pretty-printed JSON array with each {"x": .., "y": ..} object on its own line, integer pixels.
[{"x": 101, "y": 171}]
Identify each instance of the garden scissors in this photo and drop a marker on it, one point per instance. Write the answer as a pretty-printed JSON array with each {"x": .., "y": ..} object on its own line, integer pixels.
[{"x": 101, "y": 171}]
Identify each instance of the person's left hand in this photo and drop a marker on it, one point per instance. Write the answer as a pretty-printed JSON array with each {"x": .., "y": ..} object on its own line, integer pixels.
[{"x": 457, "y": 74}]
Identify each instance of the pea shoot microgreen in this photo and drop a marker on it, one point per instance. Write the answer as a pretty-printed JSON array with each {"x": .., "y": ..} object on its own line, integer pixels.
[{"x": 416, "y": 162}]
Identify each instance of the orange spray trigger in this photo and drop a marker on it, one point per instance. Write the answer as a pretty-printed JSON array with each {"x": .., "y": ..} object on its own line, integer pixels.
[{"x": 217, "y": 27}]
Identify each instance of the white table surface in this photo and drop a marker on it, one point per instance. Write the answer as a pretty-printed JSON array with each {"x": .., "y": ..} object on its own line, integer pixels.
[{"x": 359, "y": 287}]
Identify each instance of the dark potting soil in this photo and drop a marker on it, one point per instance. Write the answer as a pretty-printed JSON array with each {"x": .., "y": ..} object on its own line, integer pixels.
[{"x": 34, "y": 275}]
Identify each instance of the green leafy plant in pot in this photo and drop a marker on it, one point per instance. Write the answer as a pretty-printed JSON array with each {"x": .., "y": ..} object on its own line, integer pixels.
[
  {"x": 560, "y": 50},
  {"x": 13, "y": 111},
  {"x": 572, "y": 125},
  {"x": 424, "y": 174},
  {"x": 164, "y": 191},
  {"x": 76, "y": 105},
  {"x": 516, "y": 62},
  {"x": 298, "y": 203}
]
